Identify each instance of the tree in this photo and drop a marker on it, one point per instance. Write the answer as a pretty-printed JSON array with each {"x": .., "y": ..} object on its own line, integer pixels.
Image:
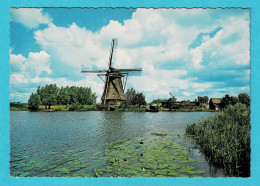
[
  {"x": 244, "y": 99},
  {"x": 228, "y": 100},
  {"x": 85, "y": 96},
  {"x": 225, "y": 101},
  {"x": 93, "y": 97},
  {"x": 34, "y": 102},
  {"x": 205, "y": 99},
  {"x": 51, "y": 94},
  {"x": 73, "y": 93},
  {"x": 130, "y": 95},
  {"x": 139, "y": 99},
  {"x": 202, "y": 99},
  {"x": 233, "y": 100},
  {"x": 63, "y": 96},
  {"x": 171, "y": 100}
]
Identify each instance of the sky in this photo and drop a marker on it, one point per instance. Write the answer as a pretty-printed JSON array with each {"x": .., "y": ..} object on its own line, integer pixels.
[{"x": 186, "y": 52}]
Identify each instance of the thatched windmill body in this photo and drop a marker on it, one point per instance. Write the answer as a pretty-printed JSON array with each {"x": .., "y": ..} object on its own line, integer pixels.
[{"x": 114, "y": 88}]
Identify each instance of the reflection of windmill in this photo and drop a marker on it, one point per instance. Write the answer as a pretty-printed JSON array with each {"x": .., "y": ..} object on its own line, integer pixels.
[{"x": 114, "y": 88}]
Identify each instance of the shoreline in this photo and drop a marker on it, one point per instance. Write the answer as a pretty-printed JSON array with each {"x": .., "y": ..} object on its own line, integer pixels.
[{"x": 116, "y": 110}]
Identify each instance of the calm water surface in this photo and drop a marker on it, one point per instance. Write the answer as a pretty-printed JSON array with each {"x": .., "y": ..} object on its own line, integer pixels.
[{"x": 48, "y": 136}]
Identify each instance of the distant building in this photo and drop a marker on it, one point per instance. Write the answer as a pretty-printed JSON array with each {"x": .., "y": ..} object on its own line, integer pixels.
[
  {"x": 180, "y": 104},
  {"x": 187, "y": 104},
  {"x": 214, "y": 103}
]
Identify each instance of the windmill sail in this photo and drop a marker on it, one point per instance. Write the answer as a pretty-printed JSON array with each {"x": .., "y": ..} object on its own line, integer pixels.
[
  {"x": 129, "y": 70},
  {"x": 113, "y": 50}
]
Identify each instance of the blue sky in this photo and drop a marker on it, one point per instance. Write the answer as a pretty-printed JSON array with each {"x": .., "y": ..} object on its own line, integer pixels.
[{"x": 188, "y": 52}]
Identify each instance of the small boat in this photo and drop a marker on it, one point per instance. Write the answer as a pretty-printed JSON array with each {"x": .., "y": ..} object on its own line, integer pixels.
[{"x": 152, "y": 108}]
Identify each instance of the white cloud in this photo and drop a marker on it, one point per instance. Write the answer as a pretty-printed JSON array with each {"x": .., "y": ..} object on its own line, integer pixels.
[
  {"x": 29, "y": 17},
  {"x": 152, "y": 38},
  {"x": 18, "y": 78},
  {"x": 233, "y": 52},
  {"x": 141, "y": 39},
  {"x": 34, "y": 65},
  {"x": 188, "y": 93}
]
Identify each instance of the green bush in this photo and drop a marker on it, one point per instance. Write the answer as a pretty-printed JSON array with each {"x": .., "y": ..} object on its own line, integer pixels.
[
  {"x": 225, "y": 139},
  {"x": 34, "y": 102},
  {"x": 74, "y": 106}
]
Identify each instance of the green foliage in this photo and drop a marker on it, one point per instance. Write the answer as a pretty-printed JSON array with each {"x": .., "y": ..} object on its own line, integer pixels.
[
  {"x": 158, "y": 156},
  {"x": 48, "y": 94},
  {"x": 244, "y": 99},
  {"x": 139, "y": 99},
  {"x": 232, "y": 100},
  {"x": 171, "y": 101},
  {"x": 202, "y": 99},
  {"x": 133, "y": 98},
  {"x": 130, "y": 94},
  {"x": 63, "y": 96},
  {"x": 155, "y": 156},
  {"x": 156, "y": 101},
  {"x": 59, "y": 164},
  {"x": 74, "y": 106},
  {"x": 225, "y": 101},
  {"x": 51, "y": 95},
  {"x": 17, "y": 106},
  {"x": 225, "y": 139},
  {"x": 34, "y": 102}
]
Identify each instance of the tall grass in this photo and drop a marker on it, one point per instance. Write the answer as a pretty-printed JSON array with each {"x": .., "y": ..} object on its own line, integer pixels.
[{"x": 225, "y": 139}]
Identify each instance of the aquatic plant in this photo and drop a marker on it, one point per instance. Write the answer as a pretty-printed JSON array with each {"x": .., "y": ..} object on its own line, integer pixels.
[
  {"x": 56, "y": 164},
  {"x": 225, "y": 139},
  {"x": 158, "y": 156}
]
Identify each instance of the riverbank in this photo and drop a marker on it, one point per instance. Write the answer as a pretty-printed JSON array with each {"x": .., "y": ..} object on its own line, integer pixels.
[
  {"x": 55, "y": 108},
  {"x": 225, "y": 139}
]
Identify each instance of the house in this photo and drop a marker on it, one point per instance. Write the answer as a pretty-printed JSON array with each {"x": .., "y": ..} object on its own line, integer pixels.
[{"x": 214, "y": 103}]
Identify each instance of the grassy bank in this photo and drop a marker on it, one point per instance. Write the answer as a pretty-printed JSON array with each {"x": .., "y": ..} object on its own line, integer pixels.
[
  {"x": 19, "y": 109},
  {"x": 17, "y": 106},
  {"x": 73, "y": 107},
  {"x": 77, "y": 107},
  {"x": 225, "y": 139},
  {"x": 192, "y": 110}
]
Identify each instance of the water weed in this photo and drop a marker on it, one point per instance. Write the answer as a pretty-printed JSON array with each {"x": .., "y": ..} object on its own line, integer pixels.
[
  {"x": 159, "y": 157},
  {"x": 150, "y": 156},
  {"x": 225, "y": 139}
]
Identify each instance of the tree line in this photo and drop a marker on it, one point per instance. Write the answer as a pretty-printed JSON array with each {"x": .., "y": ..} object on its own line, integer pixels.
[
  {"x": 49, "y": 95},
  {"x": 243, "y": 98},
  {"x": 202, "y": 99},
  {"x": 232, "y": 100}
]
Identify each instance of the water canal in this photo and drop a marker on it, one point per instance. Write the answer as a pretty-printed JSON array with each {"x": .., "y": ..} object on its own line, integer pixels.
[{"x": 68, "y": 144}]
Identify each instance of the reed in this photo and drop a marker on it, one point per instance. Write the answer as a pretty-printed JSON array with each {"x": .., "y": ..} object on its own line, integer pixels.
[{"x": 225, "y": 139}]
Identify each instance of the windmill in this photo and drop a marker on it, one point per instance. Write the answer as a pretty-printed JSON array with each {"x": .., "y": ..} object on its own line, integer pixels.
[{"x": 114, "y": 88}]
